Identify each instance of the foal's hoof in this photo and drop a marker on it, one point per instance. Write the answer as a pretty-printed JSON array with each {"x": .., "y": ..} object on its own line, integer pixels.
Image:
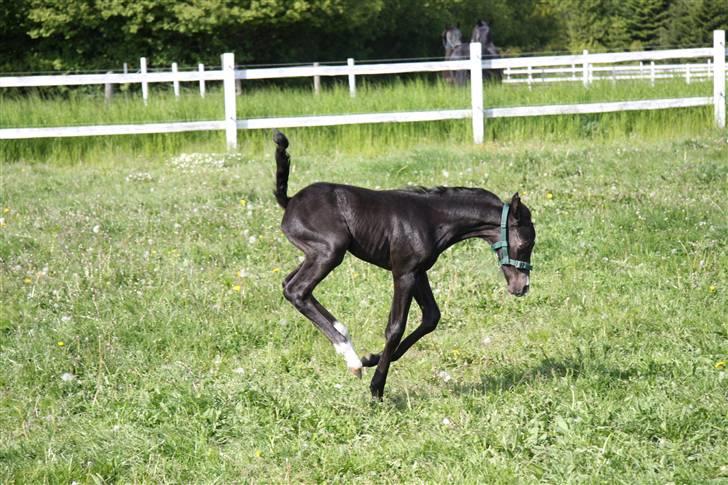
[{"x": 356, "y": 371}]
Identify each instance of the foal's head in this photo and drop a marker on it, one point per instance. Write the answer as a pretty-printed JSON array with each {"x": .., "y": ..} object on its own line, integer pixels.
[{"x": 515, "y": 253}]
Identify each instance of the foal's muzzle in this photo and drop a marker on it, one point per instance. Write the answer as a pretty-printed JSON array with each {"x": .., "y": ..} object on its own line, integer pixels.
[{"x": 518, "y": 283}]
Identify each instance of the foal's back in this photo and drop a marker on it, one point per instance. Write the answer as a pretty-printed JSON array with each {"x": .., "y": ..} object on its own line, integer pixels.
[{"x": 369, "y": 223}]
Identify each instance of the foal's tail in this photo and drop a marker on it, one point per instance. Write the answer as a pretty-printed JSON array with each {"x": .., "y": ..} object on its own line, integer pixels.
[{"x": 283, "y": 165}]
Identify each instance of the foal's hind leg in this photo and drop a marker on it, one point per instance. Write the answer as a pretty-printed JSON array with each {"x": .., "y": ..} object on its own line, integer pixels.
[
  {"x": 298, "y": 289},
  {"x": 338, "y": 325}
]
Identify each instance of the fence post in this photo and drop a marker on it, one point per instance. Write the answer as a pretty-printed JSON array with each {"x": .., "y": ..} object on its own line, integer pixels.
[
  {"x": 201, "y": 69},
  {"x": 175, "y": 81},
  {"x": 352, "y": 79},
  {"x": 476, "y": 92},
  {"x": 316, "y": 80},
  {"x": 231, "y": 125},
  {"x": 585, "y": 69},
  {"x": 719, "y": 77},
  {"x": 145, "y": 84},
  {"x": 652, "y": 73},
  {"x": 108, "y": 90},
  {"x": 687, "y": 74}
]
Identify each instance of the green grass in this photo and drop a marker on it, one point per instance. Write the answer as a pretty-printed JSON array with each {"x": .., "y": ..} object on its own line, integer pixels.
[
  {"x": 153, "y": 283},
  {"x": 65, "y": 107}
]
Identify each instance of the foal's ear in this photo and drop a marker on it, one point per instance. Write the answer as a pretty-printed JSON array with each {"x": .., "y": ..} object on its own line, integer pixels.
[{"x": 516, "y": 205}]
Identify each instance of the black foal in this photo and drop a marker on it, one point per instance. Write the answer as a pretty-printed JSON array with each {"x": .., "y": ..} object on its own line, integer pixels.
[{"x": 403, "y": 231}]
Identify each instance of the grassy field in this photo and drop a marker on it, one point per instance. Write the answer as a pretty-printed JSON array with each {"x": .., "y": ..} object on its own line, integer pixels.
[{"x": 144, "y": 336}]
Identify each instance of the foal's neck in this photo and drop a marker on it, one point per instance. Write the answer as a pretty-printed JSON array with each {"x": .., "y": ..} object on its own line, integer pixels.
[{"x": 475, "y": 214}]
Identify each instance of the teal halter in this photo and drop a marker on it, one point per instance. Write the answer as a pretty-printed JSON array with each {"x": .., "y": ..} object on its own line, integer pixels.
[{"x": 503, "y": 244}]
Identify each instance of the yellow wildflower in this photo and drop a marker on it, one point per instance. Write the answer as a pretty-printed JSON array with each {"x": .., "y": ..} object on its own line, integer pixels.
[
  {"x": 236, "y": 288},
  {"x": 60, "y": 343},
  {"x": 243, "y": 202},
  {"x": 27, "y": 280},
  {"x": 721, "y": 364},
  {"x": 276, "y": 270},
  {"x": 712, "y": 289},
  {"x": 258, "y": 453},
  {"x": 6, "y": 210},
  {"x": 549, "y": 195}
]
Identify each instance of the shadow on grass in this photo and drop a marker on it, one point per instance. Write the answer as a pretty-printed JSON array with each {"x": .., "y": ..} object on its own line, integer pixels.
[{"x": 507, "y": 379}]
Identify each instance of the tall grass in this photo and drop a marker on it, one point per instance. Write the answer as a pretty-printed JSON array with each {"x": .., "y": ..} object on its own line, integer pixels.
[{"x": 80, "y": 107}]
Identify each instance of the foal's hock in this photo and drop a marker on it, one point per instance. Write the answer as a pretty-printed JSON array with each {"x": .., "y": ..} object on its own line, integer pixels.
[{"x": 403, "y": 231}]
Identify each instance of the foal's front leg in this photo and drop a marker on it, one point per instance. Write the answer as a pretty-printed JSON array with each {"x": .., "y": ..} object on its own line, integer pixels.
[
  {"x": 403, "y": 292},
  {"x": 430, "y": 317}
]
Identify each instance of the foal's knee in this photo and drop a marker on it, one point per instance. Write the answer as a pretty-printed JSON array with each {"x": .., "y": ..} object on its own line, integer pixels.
[{"x": 394, "y": 332}]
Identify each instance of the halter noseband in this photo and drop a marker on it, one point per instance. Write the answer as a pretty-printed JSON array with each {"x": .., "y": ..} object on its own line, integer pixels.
[{"x": 503, "y": 244}]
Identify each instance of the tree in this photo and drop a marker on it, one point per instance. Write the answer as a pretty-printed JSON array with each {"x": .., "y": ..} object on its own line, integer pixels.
[
  {"x": 645, "y": 20},
  {"x": 13, "y": 37},
  {"x": 682, "y": 26},
  {"x": 712, "y": 15}
]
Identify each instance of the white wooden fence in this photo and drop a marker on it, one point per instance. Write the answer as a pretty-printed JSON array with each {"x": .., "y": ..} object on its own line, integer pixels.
[
  {"x": 228, "y": 75},
  {"x": 689, "y": 72}
]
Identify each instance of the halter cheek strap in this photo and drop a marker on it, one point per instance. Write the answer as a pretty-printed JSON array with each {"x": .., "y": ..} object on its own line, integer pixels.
[{"x": 502, "y": 243}]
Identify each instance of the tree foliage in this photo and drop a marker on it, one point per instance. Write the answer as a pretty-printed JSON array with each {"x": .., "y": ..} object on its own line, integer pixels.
[{"x": 102, "y": 34}]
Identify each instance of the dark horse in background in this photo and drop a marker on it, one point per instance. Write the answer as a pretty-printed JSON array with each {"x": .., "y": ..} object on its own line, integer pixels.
[
  {"x": 456, "y": 50},
  {"x": 402, "y": 231}
]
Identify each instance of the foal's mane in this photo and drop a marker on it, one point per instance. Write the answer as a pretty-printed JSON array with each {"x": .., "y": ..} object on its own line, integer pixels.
[{"x": 442, "y": 190}]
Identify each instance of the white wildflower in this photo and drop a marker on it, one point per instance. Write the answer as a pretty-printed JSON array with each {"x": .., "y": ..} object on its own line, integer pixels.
[
  {"x": 190, "y": 162},
  {"x": 67, "y": 377},
  {"x": 139, "y": 177},
  {"x": 444, "y": 376}
]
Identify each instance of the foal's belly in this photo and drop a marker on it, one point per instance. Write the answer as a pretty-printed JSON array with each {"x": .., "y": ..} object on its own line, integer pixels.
[
  {"x": 376, "y": 256},
  {"x": 380, "y": 260}
]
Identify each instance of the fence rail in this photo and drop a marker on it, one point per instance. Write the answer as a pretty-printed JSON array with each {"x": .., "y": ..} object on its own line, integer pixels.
[
  {"x": 689, "y": 72},
  {"x": 589, "y": 63}
]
